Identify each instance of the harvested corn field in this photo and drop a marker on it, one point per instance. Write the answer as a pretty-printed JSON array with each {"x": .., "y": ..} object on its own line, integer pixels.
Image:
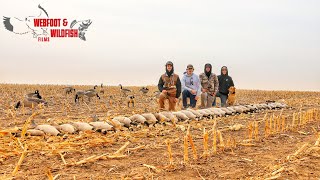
[{"x": 257, "y": 141}]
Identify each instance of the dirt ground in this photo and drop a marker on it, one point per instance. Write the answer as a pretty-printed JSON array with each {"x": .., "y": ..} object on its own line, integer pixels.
[{"x": 146, "y": 156}]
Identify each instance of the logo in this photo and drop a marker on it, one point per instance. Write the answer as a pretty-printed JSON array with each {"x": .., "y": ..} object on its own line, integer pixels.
[{"x": 43, "y": 28}]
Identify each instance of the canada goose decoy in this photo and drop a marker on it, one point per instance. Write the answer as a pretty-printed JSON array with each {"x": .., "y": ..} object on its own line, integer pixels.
[
  {"x": 30, "y": 102},
  {"x": 130, "y": 100},
  {"x": 36, "y": 94},
  {"x": 79, "y": 95},
  {"x": 89, "y": 93},
  {"x": 69, "y": 89},
  {"x": 144, "y": 90},
  {"x": 47, "y": 129},
  {"x": 156, "y": 94},
  {"x": 101, "y": 89},
  {"x": 94, "y": 88},
  {"x": 123, "y": 90}
]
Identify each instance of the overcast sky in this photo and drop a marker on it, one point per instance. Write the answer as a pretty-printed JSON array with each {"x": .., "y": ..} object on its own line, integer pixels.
[{"x": 267, "y": 44}]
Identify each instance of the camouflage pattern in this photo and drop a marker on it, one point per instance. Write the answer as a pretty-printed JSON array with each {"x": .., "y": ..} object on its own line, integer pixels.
[{"x": 211, "y": 84}]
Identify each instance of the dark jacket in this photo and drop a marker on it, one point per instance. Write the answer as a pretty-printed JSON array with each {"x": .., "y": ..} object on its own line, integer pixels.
[
  {"x": 225, "y": 82},
  {"x": 177, "y": 83}
]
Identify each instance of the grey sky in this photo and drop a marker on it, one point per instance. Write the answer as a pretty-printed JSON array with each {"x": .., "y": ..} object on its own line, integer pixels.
[{"x": 267, "y": 44}]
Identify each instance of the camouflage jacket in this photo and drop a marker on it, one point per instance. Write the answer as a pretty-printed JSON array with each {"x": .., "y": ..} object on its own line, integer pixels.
[{"x": 211, "y": 83}]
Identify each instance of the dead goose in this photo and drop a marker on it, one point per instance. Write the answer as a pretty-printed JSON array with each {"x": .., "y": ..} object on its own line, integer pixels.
[
  {"x": 238, "y": 109},
  {"x": 99, "y": 125},
  {"x": 35, "y": 132},
  {"x": 46, "y": 128},
  {"x": 232, "y": 110},
  {"x": 67, "y": 128},
  {"x": 196, "y": 113},
  {"x": 169, "y": 115},
  {"x": 36, "y": 95},
  {"x": 126, "y": 122},
  {"x": 216, "y": 111},
  {"x": 82, "y": 126},
  {"x": 151, "y": 119},
  {"x": 115, "y": 123},
  {"x": 30, "y": 102},
  {"x": 189, "y": 114},
  {"x": 137, "y": 118},
  {"x": 124, "y": 91},
  {"x": 180, "y": 116},
  {"x": 161, "y": 118},
  {"x": 228, "y": 112}
]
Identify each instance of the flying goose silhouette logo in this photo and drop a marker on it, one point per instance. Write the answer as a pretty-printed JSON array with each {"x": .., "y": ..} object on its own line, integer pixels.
[{"x": 25, "y": 25}]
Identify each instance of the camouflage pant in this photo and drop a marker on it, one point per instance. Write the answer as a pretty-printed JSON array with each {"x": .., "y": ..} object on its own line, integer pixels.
[{"x": 206, "y": 100}]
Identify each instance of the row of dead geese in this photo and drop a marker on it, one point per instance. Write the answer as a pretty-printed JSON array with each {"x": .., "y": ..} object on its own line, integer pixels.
[{"x": 148, "y": 119}]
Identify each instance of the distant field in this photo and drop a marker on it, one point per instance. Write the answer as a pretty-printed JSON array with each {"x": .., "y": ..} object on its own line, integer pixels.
[{"x": 147, "y": 154}]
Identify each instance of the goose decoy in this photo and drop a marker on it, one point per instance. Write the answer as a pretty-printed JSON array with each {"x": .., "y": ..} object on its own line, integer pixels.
[
  {"x": 144, "y": 90},
  {"x": 123, "y": 90},
  {"x": 36, "y": 94},
  {"x": 30, "y": 102},
  {"x": 69, "y": 89},
  {"x": 89, "y": 93},
  {"x": 130, "y": 100},
  {"x": 94, "y": 88},
  {"x": 101, "y": 89}
]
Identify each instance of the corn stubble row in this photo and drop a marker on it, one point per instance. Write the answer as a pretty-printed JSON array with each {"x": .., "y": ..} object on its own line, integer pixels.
[{"x": 272, "y": 125}]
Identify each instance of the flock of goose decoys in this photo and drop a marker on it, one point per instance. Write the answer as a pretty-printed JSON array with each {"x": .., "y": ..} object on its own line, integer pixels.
[{"x": 34, "y": 99}]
